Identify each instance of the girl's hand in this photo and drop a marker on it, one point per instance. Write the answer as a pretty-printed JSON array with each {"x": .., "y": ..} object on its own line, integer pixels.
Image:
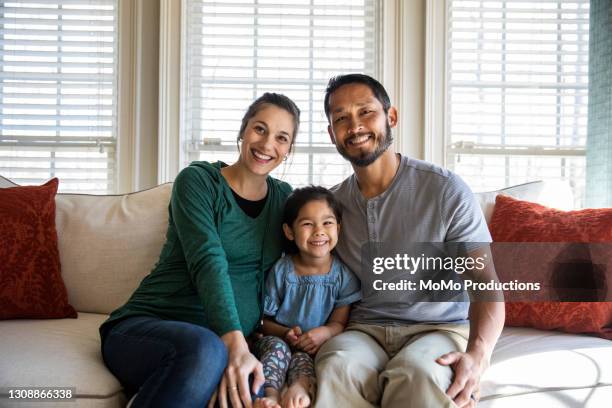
[
  {"x": 293, "y": 336},
  {"x": 312, "y": 340},
  {"x": 235, "y": 380}
]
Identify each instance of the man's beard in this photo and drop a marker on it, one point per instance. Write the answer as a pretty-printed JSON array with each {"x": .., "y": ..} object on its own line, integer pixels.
[{"x": 365, "y": 159}]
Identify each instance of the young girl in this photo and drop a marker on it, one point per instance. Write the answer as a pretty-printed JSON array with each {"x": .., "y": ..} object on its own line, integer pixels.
[{"x": 308, "y": 296}]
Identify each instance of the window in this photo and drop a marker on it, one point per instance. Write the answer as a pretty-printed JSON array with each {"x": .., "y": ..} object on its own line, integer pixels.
[
  {"x": 58, "y": 93},
  {"x": 233, "y": 51},
  {"x": 517, "y": 91}
]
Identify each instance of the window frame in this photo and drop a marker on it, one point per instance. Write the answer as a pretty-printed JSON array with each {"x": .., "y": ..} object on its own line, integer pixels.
[
  {"x": 191, "y": 150},
  {"x": 138, "y": 94},
  {"x": 402, "y": 50},
  {"x": 114, "y": 145},
  {"x": 436, "y": 103}
]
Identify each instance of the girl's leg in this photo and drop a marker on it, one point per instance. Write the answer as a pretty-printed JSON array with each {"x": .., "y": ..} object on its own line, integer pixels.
[
  {"x": 168, "y": 363},
  {"x": 301, "y": 381},
  {"x": 275, "y": 357}
]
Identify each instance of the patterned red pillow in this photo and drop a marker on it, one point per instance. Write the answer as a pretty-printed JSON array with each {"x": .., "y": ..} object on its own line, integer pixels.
[
  {"x": 521, "y": 221},
  {"x": 31, "y": 283}
]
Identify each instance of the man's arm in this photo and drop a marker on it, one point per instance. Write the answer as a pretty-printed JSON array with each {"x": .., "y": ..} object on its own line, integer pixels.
[{"x": 486, "y": 323}]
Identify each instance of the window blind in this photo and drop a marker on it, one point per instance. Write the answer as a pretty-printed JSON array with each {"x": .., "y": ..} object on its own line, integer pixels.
[
  {"x": 517, "y": 91},
  {"x": 58, "y": 93},
  {"x": 234, "y": 51}
]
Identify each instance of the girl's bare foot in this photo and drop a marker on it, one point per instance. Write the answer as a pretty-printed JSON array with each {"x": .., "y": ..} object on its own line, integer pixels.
[
  {"x": 296, "y": 396},
  {"x": 266, "y": 402},
  {"x": 270, "y": 400}
]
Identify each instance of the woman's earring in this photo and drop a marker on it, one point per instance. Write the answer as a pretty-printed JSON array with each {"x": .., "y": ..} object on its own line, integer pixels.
[{"x": 285, "y": 158}]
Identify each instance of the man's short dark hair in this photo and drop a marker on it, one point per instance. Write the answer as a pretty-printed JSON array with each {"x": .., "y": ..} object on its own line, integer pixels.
[{"x": 376, "y": 87}]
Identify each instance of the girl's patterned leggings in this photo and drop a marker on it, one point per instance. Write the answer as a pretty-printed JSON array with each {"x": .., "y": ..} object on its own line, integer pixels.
[{"x": 278, "y": 362}]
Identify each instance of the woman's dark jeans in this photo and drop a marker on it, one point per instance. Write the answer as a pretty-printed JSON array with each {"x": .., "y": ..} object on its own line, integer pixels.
[{"x": 168, "y": 363}]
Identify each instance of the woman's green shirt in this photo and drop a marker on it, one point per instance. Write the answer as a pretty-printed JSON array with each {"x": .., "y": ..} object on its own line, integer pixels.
[{"x": 211, "y": 268}]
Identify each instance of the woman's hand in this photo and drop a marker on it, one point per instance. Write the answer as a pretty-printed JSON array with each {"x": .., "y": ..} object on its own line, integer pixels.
[
  {"x": 312, "y": 340},
  {"x": 235, "y": 381}
]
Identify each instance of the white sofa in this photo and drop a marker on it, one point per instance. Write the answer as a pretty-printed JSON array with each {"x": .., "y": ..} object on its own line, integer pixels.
[{"x": 107, "y": 244}]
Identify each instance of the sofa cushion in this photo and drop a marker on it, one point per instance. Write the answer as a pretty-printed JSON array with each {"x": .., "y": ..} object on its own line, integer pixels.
[
  {"x": 4, "y": 183},
  {"x": 30, "y": 278},
  {"x": 109, "y": 243},
  {"x": 57, "y": 353},
  {"x": 551, "y": 193},
  {"x": 522, "y": 221},
  {"x": 517, "y": 220},
  {"x": 592, "y": 397},
  {"x": 529, "y": 360}
]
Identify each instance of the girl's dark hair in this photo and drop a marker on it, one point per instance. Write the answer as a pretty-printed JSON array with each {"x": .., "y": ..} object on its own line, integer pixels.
[
  {"x": 278, "y": 100},
  {"x": 298, "y": 199}
]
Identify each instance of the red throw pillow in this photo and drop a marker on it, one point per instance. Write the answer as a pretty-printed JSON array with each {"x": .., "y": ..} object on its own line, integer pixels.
[
  {"x": 521, "y": 221},
  {"x": 31, "y": 283}
]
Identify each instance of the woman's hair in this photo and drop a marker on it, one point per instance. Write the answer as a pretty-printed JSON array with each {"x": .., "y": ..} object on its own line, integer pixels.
[
  {"x": 278, "y": 100},
  {"x": 298, "y": 199}
]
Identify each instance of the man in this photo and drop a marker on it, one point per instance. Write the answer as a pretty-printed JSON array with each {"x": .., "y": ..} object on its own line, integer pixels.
[{"x": 398, "y": 353}]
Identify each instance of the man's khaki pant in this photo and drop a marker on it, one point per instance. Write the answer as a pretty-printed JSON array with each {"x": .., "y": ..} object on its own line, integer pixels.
[{"x": 389, "y": 366}]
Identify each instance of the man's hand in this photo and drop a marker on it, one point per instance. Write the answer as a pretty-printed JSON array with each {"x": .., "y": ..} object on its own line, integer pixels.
[
  {"x": 293, "y": 336},
  {"x": 467, "y": 370},
  {"x": 312, "y": 340}
]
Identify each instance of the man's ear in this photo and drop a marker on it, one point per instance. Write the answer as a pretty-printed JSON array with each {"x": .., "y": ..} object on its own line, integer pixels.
[
  {"x": 392, "y": 116},
  {"x": 288, "y": 232},
  {"x": 331, "y": 134}
]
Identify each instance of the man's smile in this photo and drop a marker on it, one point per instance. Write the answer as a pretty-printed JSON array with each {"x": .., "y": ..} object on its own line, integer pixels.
[{"x": 359, "y": 140}]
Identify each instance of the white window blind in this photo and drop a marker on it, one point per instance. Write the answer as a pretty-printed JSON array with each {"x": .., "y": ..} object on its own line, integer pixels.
[
  {"x": 234, "y": 51},
  {"x": 517, "y": 91},
  {"x": 58, "y": 93}
]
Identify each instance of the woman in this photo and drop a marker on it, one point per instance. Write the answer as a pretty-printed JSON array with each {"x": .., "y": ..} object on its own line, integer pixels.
[{"x": 182, "y": 333}]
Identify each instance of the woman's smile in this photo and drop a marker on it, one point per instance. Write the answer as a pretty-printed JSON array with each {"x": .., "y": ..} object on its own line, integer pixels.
[{"x": 260, "y": 157}]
